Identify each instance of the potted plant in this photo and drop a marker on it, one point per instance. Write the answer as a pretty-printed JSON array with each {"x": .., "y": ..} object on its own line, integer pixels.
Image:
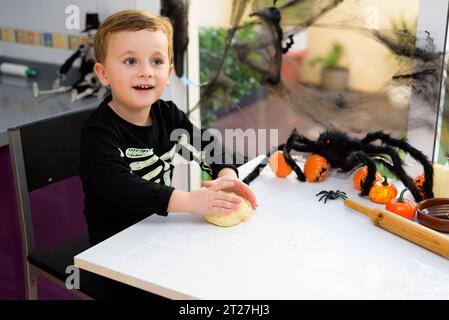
[
  {"x": 333, "y": 76},
  {"x": 212, "y": 44}
]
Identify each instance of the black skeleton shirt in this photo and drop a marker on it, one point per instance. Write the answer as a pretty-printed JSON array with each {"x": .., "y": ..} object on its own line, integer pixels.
[{"x": 126, "y": 170}]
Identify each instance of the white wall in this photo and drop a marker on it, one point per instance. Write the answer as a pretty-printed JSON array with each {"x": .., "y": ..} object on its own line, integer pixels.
[
  {"x": 50, "y": 16},
  {"x": 212, "y": 13}
]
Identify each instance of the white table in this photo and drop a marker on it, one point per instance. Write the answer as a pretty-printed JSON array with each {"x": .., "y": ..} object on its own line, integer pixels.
[{"x": 293, "y": 247}]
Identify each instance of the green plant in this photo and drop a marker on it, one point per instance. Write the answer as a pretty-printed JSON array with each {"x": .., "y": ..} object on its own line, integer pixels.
[
  {"x": 212, "y": 46},
  {"x": 404, "y": 35},
  {"x": 333, "y": 57},
  {"x": 205, "y": 176},
  {"x": 404, "y": 32}
]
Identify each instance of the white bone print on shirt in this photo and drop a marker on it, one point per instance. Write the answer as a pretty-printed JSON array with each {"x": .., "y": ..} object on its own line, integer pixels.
[
  {"x": 138, "y": 165},
  {"x": 163, "y": 169},
  {"x": 162, "y": 163},
  {"x": 199, "y": 155}
]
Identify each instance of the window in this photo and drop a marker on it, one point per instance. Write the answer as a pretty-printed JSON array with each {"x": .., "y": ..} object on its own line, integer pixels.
[{"x": 355, "y": 66}]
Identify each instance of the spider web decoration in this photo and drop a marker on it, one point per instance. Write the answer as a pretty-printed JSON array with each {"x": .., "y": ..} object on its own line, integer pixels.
[
  {"x": 420, "y": 67},
  {"x": 263, "y": 54}
]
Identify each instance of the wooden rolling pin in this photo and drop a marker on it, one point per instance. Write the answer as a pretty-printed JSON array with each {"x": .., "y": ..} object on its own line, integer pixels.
[{"x": 405, "y": 228}]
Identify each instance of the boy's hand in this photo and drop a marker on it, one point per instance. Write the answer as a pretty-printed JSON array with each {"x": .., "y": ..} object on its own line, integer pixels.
[
  {"x": 238, "y": 187},
  {"x": 213, "y": 200}
]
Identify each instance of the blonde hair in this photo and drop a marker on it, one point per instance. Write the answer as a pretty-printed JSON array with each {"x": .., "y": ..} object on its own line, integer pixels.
[{"x": 131, "y": 20}]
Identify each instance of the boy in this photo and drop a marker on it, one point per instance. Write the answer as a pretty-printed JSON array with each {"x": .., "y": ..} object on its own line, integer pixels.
[{"x": 126, "y": 150}]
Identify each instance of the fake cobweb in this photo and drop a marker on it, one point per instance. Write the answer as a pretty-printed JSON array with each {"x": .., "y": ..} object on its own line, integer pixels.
[{"x": 418, "y": 70}]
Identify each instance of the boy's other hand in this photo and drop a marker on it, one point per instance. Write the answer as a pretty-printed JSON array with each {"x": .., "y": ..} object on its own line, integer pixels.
[
  {"x": 213, "y": 200},
  {"x": 238, "y": 187}
]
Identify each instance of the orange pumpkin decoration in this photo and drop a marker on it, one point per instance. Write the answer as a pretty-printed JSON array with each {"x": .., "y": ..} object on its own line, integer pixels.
[
  {"x": 383, "y": 192},
  {"x": 419, "y": 183},
  {"x": 360, "y": 176},
  {"x": 316, "y": 168},
  {"x": 402, "y": 207},
  {"x": 278, "y": 164}
]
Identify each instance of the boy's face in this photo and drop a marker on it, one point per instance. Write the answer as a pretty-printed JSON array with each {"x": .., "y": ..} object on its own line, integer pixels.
[{"x": 137, "y": 67}]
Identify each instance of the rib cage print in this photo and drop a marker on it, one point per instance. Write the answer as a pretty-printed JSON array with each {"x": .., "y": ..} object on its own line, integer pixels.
[{"x": 145, "y": 163}]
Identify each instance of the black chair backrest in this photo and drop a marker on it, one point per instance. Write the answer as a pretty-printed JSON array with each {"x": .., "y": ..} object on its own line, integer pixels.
[
  {"x": 42, "y": 153},
  {"x": 50, "y": 148}
]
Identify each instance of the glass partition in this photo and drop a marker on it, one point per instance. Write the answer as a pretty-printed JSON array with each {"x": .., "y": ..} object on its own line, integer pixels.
[
  {"x": 442, "y": 137},
  {"x": 349, "y": 65}
]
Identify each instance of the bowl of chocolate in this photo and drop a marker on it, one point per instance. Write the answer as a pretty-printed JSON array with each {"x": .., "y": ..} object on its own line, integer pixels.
[{"x": 434, "y": 213}]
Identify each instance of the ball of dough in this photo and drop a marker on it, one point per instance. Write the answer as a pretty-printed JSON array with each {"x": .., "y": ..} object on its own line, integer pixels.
[{"x": 238, "y": 215}]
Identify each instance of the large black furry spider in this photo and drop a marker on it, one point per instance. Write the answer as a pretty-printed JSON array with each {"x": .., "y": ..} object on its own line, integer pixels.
[{"x": 346, "y": 153}]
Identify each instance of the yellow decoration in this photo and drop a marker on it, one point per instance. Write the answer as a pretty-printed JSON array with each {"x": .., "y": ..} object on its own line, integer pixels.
[
  {"x": 441, "y": 180},
  {"x": 7, "y": 35},
  {"x": 74, "y": 42},
  {"x": 60, "y": 41},
  {"x": 30, "y": 38},
  {"x": 20, "y": 36}
]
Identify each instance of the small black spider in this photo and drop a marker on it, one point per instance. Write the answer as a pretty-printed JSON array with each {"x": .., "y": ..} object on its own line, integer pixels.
[{"x": 331, "y": 195}]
